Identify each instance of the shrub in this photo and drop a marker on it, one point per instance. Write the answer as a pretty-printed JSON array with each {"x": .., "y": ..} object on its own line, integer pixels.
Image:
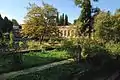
[
  {"x": 34, "y": 45},
  {"x": 92, "y": 48},
  {"x": 23, "y": 45},
  {"x": 73, "y": 48},
  {"x": 113, "y": 48}
]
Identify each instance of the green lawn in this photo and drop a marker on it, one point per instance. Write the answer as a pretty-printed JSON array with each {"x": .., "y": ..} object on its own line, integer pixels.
[
  {"x": 61, "y": 72},
  {"x": 33, "y": 59}
]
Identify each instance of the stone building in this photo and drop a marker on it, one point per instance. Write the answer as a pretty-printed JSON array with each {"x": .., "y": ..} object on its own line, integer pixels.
[{"x": 67, "y": 31}]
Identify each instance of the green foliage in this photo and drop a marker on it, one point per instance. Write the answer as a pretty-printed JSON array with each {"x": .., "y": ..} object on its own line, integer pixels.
[
  {"x": 1, "y": 22},
  {"x": 66, "y": 20},
  {"x": 8, "y": 25},
  {"x": 103, "y": 26},
  {"x": 5, "y": 25},
  {"x": 57, "y": 19},
  {"x": 73, "y": 48},
  {"x": 117, "y": 11},
  {"x": 107, "y": 27},
  {"x": 113, "y": 48},
  {"x": 11, "y": 40},
  {"x": 62, "y": 20},
  {"x": 40, "y": 22},
  {"x": 17, "y": 60},
  {"x": 61, "y": 72},
  {"x": 23, "y": 45},
  {"x": 86, "y": 16},
  {"x": 34, "y": 45},
  {"x": 15, "y": 23},
  {"x": 13, "y": 62},
  {"x": 92, "y": 48},
  {"x": 50, "y": 45}
]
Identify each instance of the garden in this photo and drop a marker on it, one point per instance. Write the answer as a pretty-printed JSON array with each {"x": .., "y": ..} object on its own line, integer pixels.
[{"x": 94, "y": 50}]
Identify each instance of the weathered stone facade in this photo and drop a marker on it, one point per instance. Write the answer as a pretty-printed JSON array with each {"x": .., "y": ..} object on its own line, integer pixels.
[{"x": 67, "y": 31}]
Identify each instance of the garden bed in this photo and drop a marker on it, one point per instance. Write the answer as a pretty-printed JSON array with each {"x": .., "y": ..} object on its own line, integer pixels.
[
  {"x": 61, "y": 72},
  {"x": 32, "y": 59}
]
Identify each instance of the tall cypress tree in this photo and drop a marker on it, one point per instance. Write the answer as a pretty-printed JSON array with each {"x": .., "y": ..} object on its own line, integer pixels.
[
  {"x": 8, "y": 25},
  {"x": 1, "y": 22},
  {"x": 1, "y": 25},
  {"x": 85, "y": 16},
  {"x": 66, "y": 19},
  {"x": 57, "y": 19},
  {"x": 15, "y": 23},
  {"x": 60, "y": 22},
  {"x": 63, "y": 20}
]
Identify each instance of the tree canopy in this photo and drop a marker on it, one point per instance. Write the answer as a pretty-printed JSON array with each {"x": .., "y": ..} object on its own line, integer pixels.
[
  {"x": 5, "y": 25},
  {"x": 86, "y": 15},
  {"x": 107, "y": 27},
  {"x": 15, "y": 23},
  {"x": 40, "y": 22}
]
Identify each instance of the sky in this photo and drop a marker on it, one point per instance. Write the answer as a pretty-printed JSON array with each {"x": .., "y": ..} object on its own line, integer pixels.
[{"x": 16, "y": 9}]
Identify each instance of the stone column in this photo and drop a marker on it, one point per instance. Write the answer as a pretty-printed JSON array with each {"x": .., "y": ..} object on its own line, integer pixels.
[
  {"x": 70, "y": 33},
  {"x": 66, "y": 33},
  {"x": 62, "y": 33},
  {"x": 74, "y": 33}
]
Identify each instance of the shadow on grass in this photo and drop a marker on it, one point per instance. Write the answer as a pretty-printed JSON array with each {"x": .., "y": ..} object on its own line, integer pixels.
[
  {"x": 28, "y": 62},
  {"x": 60, "y": 72}
]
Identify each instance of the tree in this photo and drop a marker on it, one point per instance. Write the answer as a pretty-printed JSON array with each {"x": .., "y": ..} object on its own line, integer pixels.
[
  {"x": 117, "y": 11},
  {"x": 1, "y": 22},
  {"x": 66, "y": 20},
  {"x": 40, "y": 22},
  {"x": 86, "y": 14},
  {"x": 57, "y": 19},
  {"x": 63, "y": 19},
  {"x": 15, "y": 23},
  {"x": 1, "y": 25},
  {"x": 8, "y": 25},
  {"x": 107, "y": 27}
]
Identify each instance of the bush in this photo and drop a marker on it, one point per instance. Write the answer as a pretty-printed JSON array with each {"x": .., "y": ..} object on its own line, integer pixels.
[
  {"x": 47, "y": 46},
  {"x": 34, "y": 45},
  {"x": 92, "y": 48},
  {"x": 23, "y": 45},
  {"x": 113, "y": 48},
  {"x": 93, "y": 52},
  {"x": 73, "y": 48}
]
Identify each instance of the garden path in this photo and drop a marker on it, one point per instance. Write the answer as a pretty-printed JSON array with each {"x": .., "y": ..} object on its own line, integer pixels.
[{"x": 33, "y": 69}]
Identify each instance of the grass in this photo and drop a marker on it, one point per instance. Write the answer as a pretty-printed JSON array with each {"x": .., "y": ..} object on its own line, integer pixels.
[
  {"x": 61, "y": 72},
  {"x": 33, "y": 59}
]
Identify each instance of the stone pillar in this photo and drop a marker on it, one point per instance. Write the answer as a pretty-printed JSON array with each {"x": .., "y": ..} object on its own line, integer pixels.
[
  {"x": 66, "y": 33},
  {"x": 74, "y": 33},
  {"x": 70, "y": 33},
  {"x": 62, "y": 33}
]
